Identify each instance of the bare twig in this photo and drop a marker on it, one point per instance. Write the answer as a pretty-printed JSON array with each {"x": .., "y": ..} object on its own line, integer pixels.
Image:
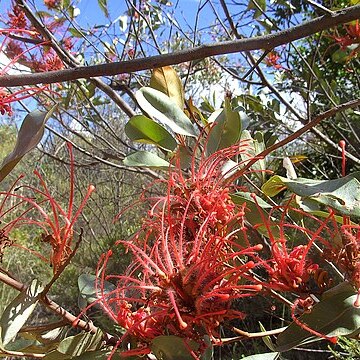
[{"x": 325, "y": 115}]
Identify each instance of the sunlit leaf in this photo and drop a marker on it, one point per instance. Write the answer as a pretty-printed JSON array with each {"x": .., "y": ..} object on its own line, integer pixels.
[
  {"x": 142, "y": 129},
  {"x": 145, "y": 159},
  {"x": 166, "y": 80},
  {"x": 81, "y": 343},
  {"x": 30, "y": 134},
  {"x": 342, "y": 195},
  {"x": 334, "y": 315},
  {"x": 256, "y": 146},
  {"x": 164, "y": 109},
  {"x": 18, "y": 311}
]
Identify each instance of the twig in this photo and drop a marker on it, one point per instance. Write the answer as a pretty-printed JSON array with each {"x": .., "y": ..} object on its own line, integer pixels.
[
  {"x": 51, "y": 305},
  {"x": 298, "y": 133}
]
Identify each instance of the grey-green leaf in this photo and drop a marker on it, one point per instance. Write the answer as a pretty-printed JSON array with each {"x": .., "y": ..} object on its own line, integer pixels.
[
  {"x": 30, "y": 134},
  {"x": 334, "y": 315},
  {"x": 342, "y": 195},
  {"x": 173, "y": 348},
  {"x": 81, "y": 343},
  {"x": 18, "y": 311},
  {"x": 161, "y": 107},
  {"x": 145, "y": 159},
  {"x": 227, "y": 129},
  {"x": 142, "y": 129},
  {"x": 265, "y": 356},
  {"x": 86, "y": 284}
]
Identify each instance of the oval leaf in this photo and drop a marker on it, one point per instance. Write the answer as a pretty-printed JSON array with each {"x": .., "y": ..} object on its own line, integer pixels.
[
  {"x": 145, "y": 159},
  {"x": 166, "y": 80},
  {"x": 18, "y": 311},
  {"x": 266, "y": 356},
  {"x": 142, "y": 129},
  {"x": 227, "y": 129},
  {"x": 81, "y": 343},
  {"x": 342, "y": 195},
  {"x": 173, "y": 348},
  {"x": 334, "y": 315},
  {"x": 86, "y": 284},
  {"x": 161, "y": 107},
  {"x": 30, "y": 134}
]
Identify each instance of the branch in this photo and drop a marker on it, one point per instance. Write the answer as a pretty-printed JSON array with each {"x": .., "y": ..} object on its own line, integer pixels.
[
  {"x": 325, "y": 115},
  {"x": 266, "y": 42},
  {"x": 70, "y": 318}
]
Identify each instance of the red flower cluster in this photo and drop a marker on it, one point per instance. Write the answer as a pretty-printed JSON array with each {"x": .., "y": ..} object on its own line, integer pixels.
[
  {"x": 4, "y": 102},
  {"x": 189, "y": 264},
  {"x": 17, "y": 18},
  {"x": 52, "y": 4},
  {"x": 272, "y": 60},
  {"x": 290, "y": 268},
  {"x": 351, "y": 37},
  {"x": 57, "y": 223}
]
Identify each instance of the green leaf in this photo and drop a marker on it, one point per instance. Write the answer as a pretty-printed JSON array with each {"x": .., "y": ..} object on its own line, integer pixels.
[
  {"x": 227, "y": 129},
  {"x": 98, "y": 355},
  {"x": 166, "y": 80},
  {"x": 334, "y": 315},
  {"x": 142, "y": 129},
  {"x": 173, "y": 348},
  {"x": 76, "y": 33},
  {"x": 265, "y": 356},
  {"x": 273, "y": 186},
  {"x": 256, "y": 146},
  {"x": 103, "y": 7},
  {"x": 267, "y": 339},
  {"x": 145, "y": 159},
  {"x": 340, "y": 56},
  {"x": 30, "y": 134},
  {"x": 86, "y": 284},
  {"x": 254, "y": 215},
  {"x": 81, "y": 343},
  {"x": 241, "y": 197},
  {"x": 18, "y": 311},
  {"x": 164, "y": 109},
  {"x": 342, "y": 195},
  {"x": 56, "y": 355},
  {"x": 259, "y": 7}
]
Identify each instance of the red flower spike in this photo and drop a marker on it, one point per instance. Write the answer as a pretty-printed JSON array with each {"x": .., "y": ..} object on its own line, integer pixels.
[
  {"x": 188, "y": 266},
  {"x": 290, "y": 269},
  {"x": 57, "y": 224},
  {"x": 17, "y": 18}
]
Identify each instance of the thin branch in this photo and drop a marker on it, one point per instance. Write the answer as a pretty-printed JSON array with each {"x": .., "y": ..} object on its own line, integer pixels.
[
  {"x": 325, "y": 115},
  {"x": 266, "y": 42},
  {"x": 53, "y": 306}
]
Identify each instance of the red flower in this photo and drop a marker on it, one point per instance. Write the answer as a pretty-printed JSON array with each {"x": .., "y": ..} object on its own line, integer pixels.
[
  {"x": 5, "y": 99},
  {"x": 17, "y": 18},
  {"x": 352, "y": 35},
  {"x": 57, "y": 224},
  {"x": 51, "y": 4},
  {"x": 188, "y": 265},
  {"x": 290, "y": 268},
  {"x": 272, "y": 59}
]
